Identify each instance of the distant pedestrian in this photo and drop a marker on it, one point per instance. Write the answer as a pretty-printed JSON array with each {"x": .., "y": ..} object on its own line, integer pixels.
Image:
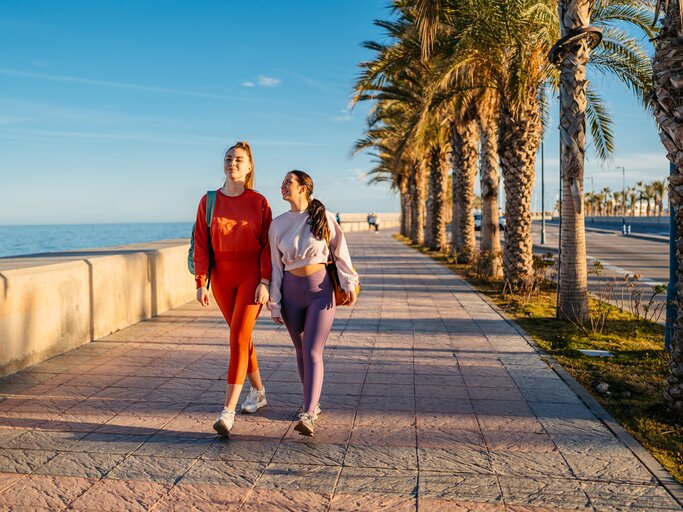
[
  {"x": 238, "y": 257},
  {"x": 372, "y": 221},
  {"x": 338, "y": 218},
  {"x": 301, "y": 293}
]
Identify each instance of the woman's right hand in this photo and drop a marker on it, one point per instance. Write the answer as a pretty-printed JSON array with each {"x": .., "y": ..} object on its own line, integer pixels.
[
  {"x": 277, "y": 320},
  {"x": 203, "y": 296}
]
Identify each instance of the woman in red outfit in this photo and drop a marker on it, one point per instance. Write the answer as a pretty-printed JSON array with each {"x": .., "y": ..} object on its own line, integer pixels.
[{"x": 240, "y": 273}]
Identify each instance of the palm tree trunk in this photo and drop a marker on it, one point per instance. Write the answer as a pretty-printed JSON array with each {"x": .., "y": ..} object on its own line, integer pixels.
[
  {"x": 668, "y": 88},
  {"x": 405, "y": 210},
  {"x": 456, "y": 157},
  {"x": 466, "y": 138},
  {"x": 573, "y": 292},
  {"x": 492, "y": 266},
  {"x": 519, "y": 137},
  {"x": 417, "y": 203},
  {"x": 439, "y": 176},
  {"x": 429, "y": 216}
]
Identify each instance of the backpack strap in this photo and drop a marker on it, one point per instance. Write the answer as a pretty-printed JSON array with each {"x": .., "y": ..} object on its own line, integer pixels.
[{"x": 210, "y": 205}]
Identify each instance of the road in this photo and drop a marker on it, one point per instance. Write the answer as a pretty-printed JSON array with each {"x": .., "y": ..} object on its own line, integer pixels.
[{"x": 620, "y": 255}]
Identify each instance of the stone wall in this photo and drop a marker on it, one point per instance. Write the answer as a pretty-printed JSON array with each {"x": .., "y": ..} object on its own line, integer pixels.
[{"x": 51, "y": 303}]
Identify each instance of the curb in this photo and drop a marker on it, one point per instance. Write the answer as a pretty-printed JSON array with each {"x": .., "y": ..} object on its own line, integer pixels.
[{"x": 661, "y": 475}]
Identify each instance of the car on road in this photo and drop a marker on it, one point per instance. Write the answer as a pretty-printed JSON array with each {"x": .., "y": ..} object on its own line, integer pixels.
[{"x": 477, "y": 222}]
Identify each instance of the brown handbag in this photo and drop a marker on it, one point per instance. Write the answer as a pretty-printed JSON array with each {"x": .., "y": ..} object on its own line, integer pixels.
[{"x": 339, "y": 293}]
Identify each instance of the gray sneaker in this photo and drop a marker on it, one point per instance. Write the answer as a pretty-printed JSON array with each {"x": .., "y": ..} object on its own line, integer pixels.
[
  {"x": 224, "y": 422},
  {"x": 306, "y": 425},
  {"x": 254, "y": 401}
]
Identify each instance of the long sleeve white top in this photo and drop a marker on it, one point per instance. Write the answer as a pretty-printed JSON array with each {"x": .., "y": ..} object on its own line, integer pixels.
[{"x": 292, "y": 245}]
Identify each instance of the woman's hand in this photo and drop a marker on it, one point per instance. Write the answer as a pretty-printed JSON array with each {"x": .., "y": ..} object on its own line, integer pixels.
[
  {"x": 278, "y": 320},
  {"x": 350, "y": 298},
  {"x": 203, "y": 296},
  {"x": 261, "y": 296}
]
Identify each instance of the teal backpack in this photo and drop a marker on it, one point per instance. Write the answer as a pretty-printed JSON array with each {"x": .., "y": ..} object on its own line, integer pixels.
[{"x": 210, "y": 205}]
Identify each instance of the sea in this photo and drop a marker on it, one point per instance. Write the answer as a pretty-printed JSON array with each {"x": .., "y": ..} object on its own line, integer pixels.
[{"x": 23, "y": 240}]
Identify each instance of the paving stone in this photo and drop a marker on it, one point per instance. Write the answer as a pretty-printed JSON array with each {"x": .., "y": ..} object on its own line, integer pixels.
[
  {"x": 219, "y": 472},
  {"x": 384, "y": 435},
  {"x": 295, "y": 476},
  {"x": 512, "y": 441},
  {"x": 574, "y": 426},
  {"x": 535, "y": 464},
  {"x": 9, "y": 434},
  {"x": 476, "y": 488},
  {"x": 201, "y": 498},
  {"x": 236, "y": 449},
  {"x": 381, "y": 457},
  {"x": 23, "y": 461},
  {"x": 444, "y": 430},
  {"x": 44, "y": 492},
  {"x": 612, "y": 497},
  {"x": 457, "y": 460},
  {"x": 376, "y": 503},
  {"x": 153, "y": 469},
  {"x": 431, "y": 504},
  {"x": 285, "y": 500},
  {"x": 310, "y": 452},
  {"x": 9, "y": 479},
  {"x": 108, "y": 443},
  {"x": 609, "y": 468},
  {"x": 86, "y": 465},
  {"x": 45, "y": 440},
  {"x": 165, "y": 445},
  {"x": 544, "y": 492},
  {"x": 118, "y": 495},
  {"x": 385, "y": 482}
]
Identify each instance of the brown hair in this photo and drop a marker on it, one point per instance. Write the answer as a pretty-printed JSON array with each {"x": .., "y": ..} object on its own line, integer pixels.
[
  {"x": 316, "y": 210},
  {"x": 249, "y": 180}
]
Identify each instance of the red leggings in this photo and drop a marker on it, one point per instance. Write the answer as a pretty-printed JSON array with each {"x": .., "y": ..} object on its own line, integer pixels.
[{"x": 234, "y": 287}]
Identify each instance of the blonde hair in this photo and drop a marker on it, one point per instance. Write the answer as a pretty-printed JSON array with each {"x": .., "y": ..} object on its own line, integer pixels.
[{"x": 249, "y": 180}]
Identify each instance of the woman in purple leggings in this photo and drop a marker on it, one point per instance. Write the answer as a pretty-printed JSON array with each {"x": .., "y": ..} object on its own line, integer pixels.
[{"x": 301, "y": 294}]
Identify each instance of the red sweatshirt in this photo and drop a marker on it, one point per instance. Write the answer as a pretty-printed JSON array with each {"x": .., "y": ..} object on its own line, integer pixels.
[{"x": 239, "y": 231}]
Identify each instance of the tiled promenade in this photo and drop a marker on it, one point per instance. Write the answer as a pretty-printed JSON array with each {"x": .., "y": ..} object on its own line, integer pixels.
[{"x": 432, "y": 402}]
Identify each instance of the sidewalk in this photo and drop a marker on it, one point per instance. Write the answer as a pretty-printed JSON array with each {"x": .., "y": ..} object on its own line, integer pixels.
[{"x": 432, "y": 402}]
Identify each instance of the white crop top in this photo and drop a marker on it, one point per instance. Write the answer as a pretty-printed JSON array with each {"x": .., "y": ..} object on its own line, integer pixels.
[{"x": 292, "y": 245}]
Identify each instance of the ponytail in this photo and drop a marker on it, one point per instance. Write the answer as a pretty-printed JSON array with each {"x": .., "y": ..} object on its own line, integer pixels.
[
  {"x": 317, "y": 217},
  {"x": 318, "y": 220}
]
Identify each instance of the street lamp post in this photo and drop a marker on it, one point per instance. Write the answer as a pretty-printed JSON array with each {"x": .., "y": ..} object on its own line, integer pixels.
[
  {"x": 623, "y": 194},
  {"x": 542, "y": 196}
]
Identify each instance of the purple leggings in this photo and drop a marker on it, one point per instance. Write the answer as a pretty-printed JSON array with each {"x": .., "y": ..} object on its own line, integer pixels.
[{"x": 308, "y": 312}]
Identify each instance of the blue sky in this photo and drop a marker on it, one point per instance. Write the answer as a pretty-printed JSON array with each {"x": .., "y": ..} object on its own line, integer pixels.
[{"x": 120, "y": 111}]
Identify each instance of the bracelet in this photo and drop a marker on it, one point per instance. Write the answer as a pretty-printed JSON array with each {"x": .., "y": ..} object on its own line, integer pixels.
[{"x": 265, "y": 282}]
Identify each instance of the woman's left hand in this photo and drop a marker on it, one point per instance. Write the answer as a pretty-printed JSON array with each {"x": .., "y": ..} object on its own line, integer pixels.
[
  {"x": 261, "y": 296},
  {"x": 350, "y": 298}
]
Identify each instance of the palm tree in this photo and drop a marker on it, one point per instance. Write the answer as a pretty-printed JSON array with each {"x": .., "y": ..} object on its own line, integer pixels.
[
  {"x": 623, "y": 57},
  {"x": 659, "y": 188},
  {"x": 492, "y": 264},
  {"x": 503, "y": 45},
  {"x": 465, "y": 137},
  {"x": 668, "y": 104}
]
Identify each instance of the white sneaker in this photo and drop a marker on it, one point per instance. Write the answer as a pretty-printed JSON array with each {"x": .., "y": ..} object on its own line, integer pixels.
[
  {"x": 316, "y": 411},
  {"x": 254, "y": 401},
  {"x": 224, "y": 422},
  {"x": 306, "y": 425}
]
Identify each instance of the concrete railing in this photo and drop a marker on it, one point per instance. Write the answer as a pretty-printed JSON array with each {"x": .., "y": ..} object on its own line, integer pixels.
[
  {"x": 54, "y": 302},
  {"x": 358, "y": 221}
]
